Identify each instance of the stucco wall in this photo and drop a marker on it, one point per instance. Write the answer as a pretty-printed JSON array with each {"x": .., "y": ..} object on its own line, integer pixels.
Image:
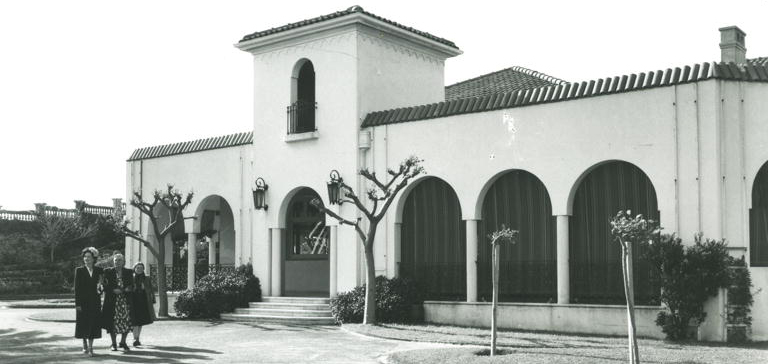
[{"x": 580, "y": 319}]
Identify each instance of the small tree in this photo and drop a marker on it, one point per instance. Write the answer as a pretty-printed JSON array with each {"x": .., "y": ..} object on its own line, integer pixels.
[
  {"x": 629, "y": 231},
  {"x": 174, "y": 204},
  {"x": 380, "y": 196},
  {"x": 498, "y": 237}
]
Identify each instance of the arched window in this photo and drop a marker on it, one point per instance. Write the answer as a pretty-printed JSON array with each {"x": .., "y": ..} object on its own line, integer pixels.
[
  {"x": 301, "y": 112},
  {"x": 595, "y": 258},
  {"x": 758, "y": 220},
  {"x": 433, "y": 241},
  {"x": 528, "y": 269}
]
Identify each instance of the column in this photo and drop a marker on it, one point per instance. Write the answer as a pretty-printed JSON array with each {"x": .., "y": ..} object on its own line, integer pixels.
[
  {"x": 563, "y": 256},
  {"x": 191, "y": 259},
  {"x": 277, "y": 264},
  {"x": 332, "y": 259},
  {"x": 397, "y": 255},
  {"x": 212, "y": 249},
  {"x": 471, "y": 260}
]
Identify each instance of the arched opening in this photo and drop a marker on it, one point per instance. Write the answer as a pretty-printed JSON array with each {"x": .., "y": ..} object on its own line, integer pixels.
[
  {"x": 301, "y": 112},
  {"x": 433, "y": 241},
  {"x": 175, "y": 257},
  {"x": 595, "y": 258},
  {"x": 215, "y": 248},
  {"x": 306, "y": 267},
  {"x": 527, "y": 269},
  {"x": 758, "y": 220}
]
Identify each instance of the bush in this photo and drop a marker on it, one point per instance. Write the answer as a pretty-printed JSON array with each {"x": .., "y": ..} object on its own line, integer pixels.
[
  {"x": 689, "y": 276},
  {"x": 394, "y": 300},
  {"x": 218, "y": 292}
]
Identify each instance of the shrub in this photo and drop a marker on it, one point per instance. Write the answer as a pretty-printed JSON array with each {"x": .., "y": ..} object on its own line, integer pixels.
[
  {"x": 689, "y": 276},
  {"x": 394, "y": 300},
  {"x": 218, "y": 292}
]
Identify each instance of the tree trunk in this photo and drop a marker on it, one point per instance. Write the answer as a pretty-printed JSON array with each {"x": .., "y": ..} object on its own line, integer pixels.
[
  {"x": 370, "y": 286},
  {"x": 162, "y": 295},
  {"x": 626, "y": 260},
  {"x": 495, "y": 300},
  {"x": 53, "y": 246}
]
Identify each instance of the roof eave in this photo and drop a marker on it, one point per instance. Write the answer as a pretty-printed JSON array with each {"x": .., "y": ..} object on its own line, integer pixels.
[{"x": 255, "y": 44}]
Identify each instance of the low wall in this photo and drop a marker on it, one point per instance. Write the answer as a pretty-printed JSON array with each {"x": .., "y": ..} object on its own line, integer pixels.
[
  {"x": 571, "y": 318},
  {"x": 760, "y": 306}
]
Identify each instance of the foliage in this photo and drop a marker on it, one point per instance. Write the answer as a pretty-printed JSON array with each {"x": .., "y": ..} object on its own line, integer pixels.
[
  {"x": 19, "y": 248},
  {"x": 689, "y": 276},
  {"x": 628, "y": 229},
  {"x": 394, "y": 301},
  {"x": 218, "y": 292},
  {"x": 740, "y": 299}
]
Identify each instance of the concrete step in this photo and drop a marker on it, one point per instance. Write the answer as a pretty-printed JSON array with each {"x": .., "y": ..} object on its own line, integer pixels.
[
  {"x": 290, "y": 306},
  {"x": 297, "y": 300},
  {"x": 283, "y": 312},
  {"x": 284, "y": 320}
]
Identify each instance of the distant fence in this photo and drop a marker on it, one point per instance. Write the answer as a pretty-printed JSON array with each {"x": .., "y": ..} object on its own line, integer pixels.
[{"x": 31, "y": 215}]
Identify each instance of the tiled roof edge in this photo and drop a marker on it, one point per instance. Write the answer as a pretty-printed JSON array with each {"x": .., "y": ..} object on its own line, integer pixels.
[
  {"x": 571, "y": 91},
  {"x": 198, "y": 145},
  {"x": 338, "y": 14},
  {"x": 524, "y": 70}
]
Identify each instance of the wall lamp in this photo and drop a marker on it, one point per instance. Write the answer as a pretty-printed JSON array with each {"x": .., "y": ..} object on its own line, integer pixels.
[{"x": 259, "y": 194}]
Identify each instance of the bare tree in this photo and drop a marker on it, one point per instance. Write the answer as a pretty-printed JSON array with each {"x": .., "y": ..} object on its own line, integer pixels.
[
  {"x": 58, "y": 227},
  {"x": 629, "y": 231},
  {"x": 380, "y": 196},
  {"x": 174, "y": 204}
]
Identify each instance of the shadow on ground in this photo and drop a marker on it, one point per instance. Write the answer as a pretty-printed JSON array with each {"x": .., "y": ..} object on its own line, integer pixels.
[{"x": 36, "y": 346}]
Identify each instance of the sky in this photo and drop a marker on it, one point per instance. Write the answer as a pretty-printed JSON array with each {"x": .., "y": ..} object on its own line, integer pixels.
[{"x": 84, "y": 83}]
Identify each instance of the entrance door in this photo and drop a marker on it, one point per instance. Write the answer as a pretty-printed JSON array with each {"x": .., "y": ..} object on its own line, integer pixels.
[{"x": 306, "y": 268}]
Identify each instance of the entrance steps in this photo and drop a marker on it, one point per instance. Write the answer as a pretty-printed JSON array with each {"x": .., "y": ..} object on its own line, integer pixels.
[{"x": 285, "y": 310}]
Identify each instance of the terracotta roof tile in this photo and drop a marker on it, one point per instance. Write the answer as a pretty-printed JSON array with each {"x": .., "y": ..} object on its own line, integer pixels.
[
  {"x": 338, "y": 14},
  {"x": 756, "y": 70},
  {"x": 506, "y": 80},
  {"x": 199, "y": 145}
]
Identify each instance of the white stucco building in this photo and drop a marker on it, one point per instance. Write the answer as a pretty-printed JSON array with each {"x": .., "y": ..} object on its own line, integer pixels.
[{"x": 687, "y": 146}]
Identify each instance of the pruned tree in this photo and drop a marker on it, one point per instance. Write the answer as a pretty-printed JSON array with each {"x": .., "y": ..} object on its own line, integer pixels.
[
  {"x": 59, "y": 227},
  {"x": 631, "y": 231},
  {"x": 174, "y": 203},
  {"x": 380, "y": 195},
  {"x": 503, "y": 235}
]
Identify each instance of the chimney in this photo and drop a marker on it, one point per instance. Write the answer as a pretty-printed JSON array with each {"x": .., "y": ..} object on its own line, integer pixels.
[{"x": 732, "y": 46}]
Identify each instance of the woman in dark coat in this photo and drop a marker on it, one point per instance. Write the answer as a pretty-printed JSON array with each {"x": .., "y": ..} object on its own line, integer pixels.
[
  {"x": 142, "y": 311},
  {"x": 88, "y": 300},
  {"x": 118, "y": 284}
]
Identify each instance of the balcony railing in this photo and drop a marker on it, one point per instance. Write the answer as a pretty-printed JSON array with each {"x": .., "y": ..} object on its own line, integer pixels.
[{"x": 301, "y": 117}]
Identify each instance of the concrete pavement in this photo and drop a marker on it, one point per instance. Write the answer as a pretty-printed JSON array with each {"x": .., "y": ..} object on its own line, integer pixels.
[{"x": 176, "y": 341}]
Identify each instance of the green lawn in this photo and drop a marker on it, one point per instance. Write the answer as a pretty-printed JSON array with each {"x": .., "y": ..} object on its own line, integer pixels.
[{"x": 535, "y": 347}]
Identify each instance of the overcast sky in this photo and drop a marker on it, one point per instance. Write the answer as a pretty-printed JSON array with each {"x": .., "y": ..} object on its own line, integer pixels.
[{"x": 84, "y": 83}]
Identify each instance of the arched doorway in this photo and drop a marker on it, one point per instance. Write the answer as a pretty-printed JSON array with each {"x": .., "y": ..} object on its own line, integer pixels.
[
  {"x": 306, "y": 267},
  {"x": 528, "y": 269},
  {"x": 758, "y": 220},
  {"x": 433, "y": 241},
  {"x": 595, "y": 258},
  {"x": 217, "y": 233}
]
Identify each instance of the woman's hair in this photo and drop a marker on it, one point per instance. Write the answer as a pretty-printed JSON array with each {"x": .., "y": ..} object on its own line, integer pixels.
[
  {"x": 92, "y": 250},
  {"x": 138, "y": 264},
  {"x": 118, "y": 254}
]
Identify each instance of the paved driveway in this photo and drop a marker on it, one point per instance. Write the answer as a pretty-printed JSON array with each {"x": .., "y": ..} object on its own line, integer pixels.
[{"x": 26, "y": 341}]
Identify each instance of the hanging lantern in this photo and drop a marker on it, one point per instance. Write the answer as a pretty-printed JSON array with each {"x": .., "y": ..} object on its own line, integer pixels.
[
  {"x": 334, "y": 188},
  {"x": 260, "y": 194}
]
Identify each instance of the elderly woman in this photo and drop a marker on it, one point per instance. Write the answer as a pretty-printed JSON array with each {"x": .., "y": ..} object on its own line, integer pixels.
[
  {"x": 118, "y": 284},
  {"x": 142, "y": 311},
  {"x": 88, "y": 300}
]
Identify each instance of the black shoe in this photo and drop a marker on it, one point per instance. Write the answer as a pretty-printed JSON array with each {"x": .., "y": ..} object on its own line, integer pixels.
[
  {"x": 113, "y": 347},
  {"x": 136, "y": 343},
  {"x": 125, "y": 347}
]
